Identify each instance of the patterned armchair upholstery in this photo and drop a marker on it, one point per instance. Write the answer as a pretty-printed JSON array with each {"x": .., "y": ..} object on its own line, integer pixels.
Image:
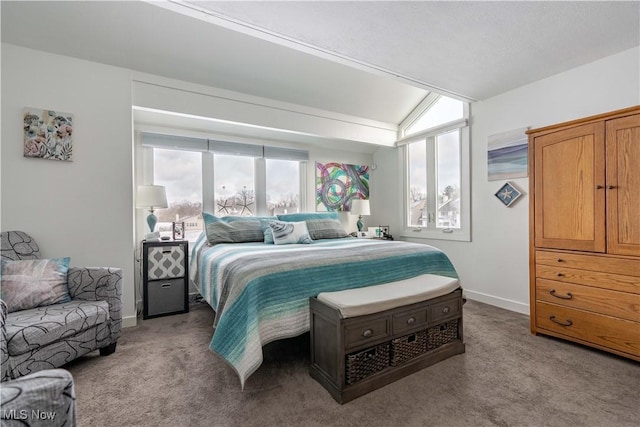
[
  {"x": 44, "y": 398},
  {"x": 50, "y": 336}
]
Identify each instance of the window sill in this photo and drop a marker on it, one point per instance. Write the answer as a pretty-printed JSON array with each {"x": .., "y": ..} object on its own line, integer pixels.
[{"x": 459, "y": 236}]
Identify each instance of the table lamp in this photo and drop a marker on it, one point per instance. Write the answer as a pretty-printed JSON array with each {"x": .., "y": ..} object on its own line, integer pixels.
[
  {"x": 360, "y": 207},
  {"x": 151, "y": 197}
]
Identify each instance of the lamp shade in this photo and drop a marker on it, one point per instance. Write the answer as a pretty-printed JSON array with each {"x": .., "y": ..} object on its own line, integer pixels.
[
  {"x": 151, "y": 196},
  {"x": 360, "y": 207}
]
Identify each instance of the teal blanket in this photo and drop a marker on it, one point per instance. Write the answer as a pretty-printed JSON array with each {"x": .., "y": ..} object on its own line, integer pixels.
[{"x": 260, "y": 292}]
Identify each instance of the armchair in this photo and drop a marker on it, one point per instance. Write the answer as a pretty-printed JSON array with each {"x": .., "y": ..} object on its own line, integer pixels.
[
  {"x": 50, "y": 336},
  {"x": 44, "y": 398}
]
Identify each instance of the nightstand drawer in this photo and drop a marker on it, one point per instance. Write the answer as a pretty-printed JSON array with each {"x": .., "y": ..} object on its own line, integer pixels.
[
  {"x": 165, "y": 297},
  {"x": 166, "y": 262}
]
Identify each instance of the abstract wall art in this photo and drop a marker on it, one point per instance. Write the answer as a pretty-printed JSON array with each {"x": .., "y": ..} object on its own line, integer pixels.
[
  {"x": 337, "y": 184},
  {"x": 48, "y": 134},
  {"x": 507, "y": 155}
]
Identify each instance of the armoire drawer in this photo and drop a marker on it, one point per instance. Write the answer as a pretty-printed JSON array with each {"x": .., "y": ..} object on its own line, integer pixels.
[
  {"x": 623, "y": 266},
  {"x": 603, "y": 301},
  {"x": 561, "y": 273},
  {"x": 618, "y": 334}
]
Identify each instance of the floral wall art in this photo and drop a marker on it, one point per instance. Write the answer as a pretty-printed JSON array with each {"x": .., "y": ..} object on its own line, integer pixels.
[
  {"x": 337, "y": 184},
  {"x": 48, "y": 134}
]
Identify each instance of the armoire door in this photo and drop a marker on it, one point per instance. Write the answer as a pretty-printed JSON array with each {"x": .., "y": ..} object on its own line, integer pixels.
[
  {"x": 570, "y": 189},
  {"x": 623, "y": 185}
]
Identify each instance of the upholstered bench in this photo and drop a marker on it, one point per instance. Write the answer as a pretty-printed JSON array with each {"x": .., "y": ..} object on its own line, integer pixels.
[{"x": 365, "y": 338}]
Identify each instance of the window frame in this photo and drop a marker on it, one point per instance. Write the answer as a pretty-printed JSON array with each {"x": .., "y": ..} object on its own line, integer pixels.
[
  {"x": 207, "y": 157},
  {"x": 429, "y": 135}
]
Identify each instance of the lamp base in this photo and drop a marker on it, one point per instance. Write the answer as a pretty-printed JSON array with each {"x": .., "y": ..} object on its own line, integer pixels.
[
  {"x": 152, "y": 220},
  {"x": 360, "y": 224}
]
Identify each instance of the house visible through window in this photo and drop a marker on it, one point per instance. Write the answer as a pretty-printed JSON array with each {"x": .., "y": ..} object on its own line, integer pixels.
[
  {"x": 436, "y": 183},
  {"x": 180, "y": 172}
]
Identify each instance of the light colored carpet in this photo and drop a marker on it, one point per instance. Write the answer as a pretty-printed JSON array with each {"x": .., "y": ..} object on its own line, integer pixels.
[{"x": 163, "y": 374}]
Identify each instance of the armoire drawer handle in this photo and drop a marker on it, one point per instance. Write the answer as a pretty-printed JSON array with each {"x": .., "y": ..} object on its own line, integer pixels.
[
  {"x": 568, "y": 296},
  {"x": 446, "y": 309},
  {"x": 560, "y": 260},
  {"x": 367, "y": 333},
  {"x": 411, "y": 320},
  {"x": 560, "y": 274},
  {"x": 599, "y": 187},
  {"x": 611, "y": 187},
  {"x": 567, "y": 323}
]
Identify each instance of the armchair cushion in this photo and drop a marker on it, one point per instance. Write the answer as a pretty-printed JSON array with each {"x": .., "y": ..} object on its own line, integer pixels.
[
  {"x": 33, "y": 283},
  {"x": 29, "y": 330}
]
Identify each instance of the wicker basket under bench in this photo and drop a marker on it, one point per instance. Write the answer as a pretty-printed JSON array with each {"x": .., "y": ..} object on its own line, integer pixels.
[{"x": 351, "y": 356}]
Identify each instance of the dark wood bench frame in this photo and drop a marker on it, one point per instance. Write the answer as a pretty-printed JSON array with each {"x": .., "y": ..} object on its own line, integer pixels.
[{"x": 334, "y": 337}]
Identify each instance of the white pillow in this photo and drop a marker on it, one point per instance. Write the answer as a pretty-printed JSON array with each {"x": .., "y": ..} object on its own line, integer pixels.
[{"x": 285, "y": 233}]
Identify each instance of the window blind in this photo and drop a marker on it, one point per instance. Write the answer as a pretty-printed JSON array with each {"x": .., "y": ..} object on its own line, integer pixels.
[{"x": 156, "y": 140}]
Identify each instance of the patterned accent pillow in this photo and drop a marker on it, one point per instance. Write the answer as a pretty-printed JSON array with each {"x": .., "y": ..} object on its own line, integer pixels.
[
  {"x": 326, "y": 229},
  {"x": 285, "y": 233},
  {"x": 235, "y": 229},
  {"x": 34, "y": 283}
]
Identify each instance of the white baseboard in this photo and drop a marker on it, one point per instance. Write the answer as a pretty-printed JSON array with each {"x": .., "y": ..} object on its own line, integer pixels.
[
  {"x": 518, "y": 307},
  {"x": 129, "y": 321}
]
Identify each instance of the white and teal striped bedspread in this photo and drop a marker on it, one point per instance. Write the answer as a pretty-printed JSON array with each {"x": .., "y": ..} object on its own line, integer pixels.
[{"x": 260, "y": 292}]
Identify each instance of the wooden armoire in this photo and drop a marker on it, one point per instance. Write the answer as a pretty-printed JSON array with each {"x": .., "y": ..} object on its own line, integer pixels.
[{"x": 584, "y": 182}]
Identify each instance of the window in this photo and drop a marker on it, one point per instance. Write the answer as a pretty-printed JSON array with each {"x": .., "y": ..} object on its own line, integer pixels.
[
  {"x": 234, "y": 183},
  {"x": 181, "y": 174},
  {"x": 283, "y": 186},
  {"x": 436, "y": 158},
  {"x": 222, "y": 178}
]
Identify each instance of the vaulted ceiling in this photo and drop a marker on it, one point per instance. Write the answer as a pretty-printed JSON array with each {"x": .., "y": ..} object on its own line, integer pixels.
[{"x": 374, "y": 60}]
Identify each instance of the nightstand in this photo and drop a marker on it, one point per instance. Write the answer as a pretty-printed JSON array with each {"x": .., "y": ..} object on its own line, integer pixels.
[{"x": 165, "y": 278}]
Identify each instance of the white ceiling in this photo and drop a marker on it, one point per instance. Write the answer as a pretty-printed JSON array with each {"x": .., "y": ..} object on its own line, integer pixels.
[{"x": 374, "y": 60}]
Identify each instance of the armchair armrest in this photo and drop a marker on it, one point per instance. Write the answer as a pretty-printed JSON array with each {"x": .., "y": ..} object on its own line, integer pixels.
[
  {"x": 99, "y": 284},
  {"x": 45, "y": 398},
  {"x": 4, "y": 352}
]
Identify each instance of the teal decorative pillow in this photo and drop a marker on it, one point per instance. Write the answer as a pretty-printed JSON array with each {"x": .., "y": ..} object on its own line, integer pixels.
[
  {"x": 268, "y": 235},
  {"x": 326, "y": 229},
  {"x": 34, "y": 283},
  {"x": 235, "y": 229},
  {"x": 285, "y": 233},
  {"x": 304, "y": 216}
]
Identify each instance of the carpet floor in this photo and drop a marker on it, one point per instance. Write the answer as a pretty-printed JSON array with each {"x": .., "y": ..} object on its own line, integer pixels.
[{"x": 163, "y": 374}]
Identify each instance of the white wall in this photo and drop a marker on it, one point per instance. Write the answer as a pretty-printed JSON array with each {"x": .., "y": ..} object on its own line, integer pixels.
[
  {"x": 84, "y": 208},
  {"x": 494, "y": 266}
]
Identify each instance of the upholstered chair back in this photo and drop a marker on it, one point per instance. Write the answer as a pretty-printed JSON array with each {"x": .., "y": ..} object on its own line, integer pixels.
[{"x": 17, "y": 245}]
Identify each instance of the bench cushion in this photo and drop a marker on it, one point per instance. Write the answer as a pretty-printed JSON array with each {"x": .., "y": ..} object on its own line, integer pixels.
[
  {"x": 374, "y": 299},
  {"x": 28, "y": 330}
]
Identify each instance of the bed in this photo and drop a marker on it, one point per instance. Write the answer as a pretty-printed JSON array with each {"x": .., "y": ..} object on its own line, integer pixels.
[{"x": 260, "y": 292}]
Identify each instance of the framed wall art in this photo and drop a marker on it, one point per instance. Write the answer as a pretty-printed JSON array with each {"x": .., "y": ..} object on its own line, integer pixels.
[
  {"x": 508, "y": 194},
  {"x": 507, "y": 155},
  {"x": 48, "y": 134},
  {"x": 337, "y": 184}
]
